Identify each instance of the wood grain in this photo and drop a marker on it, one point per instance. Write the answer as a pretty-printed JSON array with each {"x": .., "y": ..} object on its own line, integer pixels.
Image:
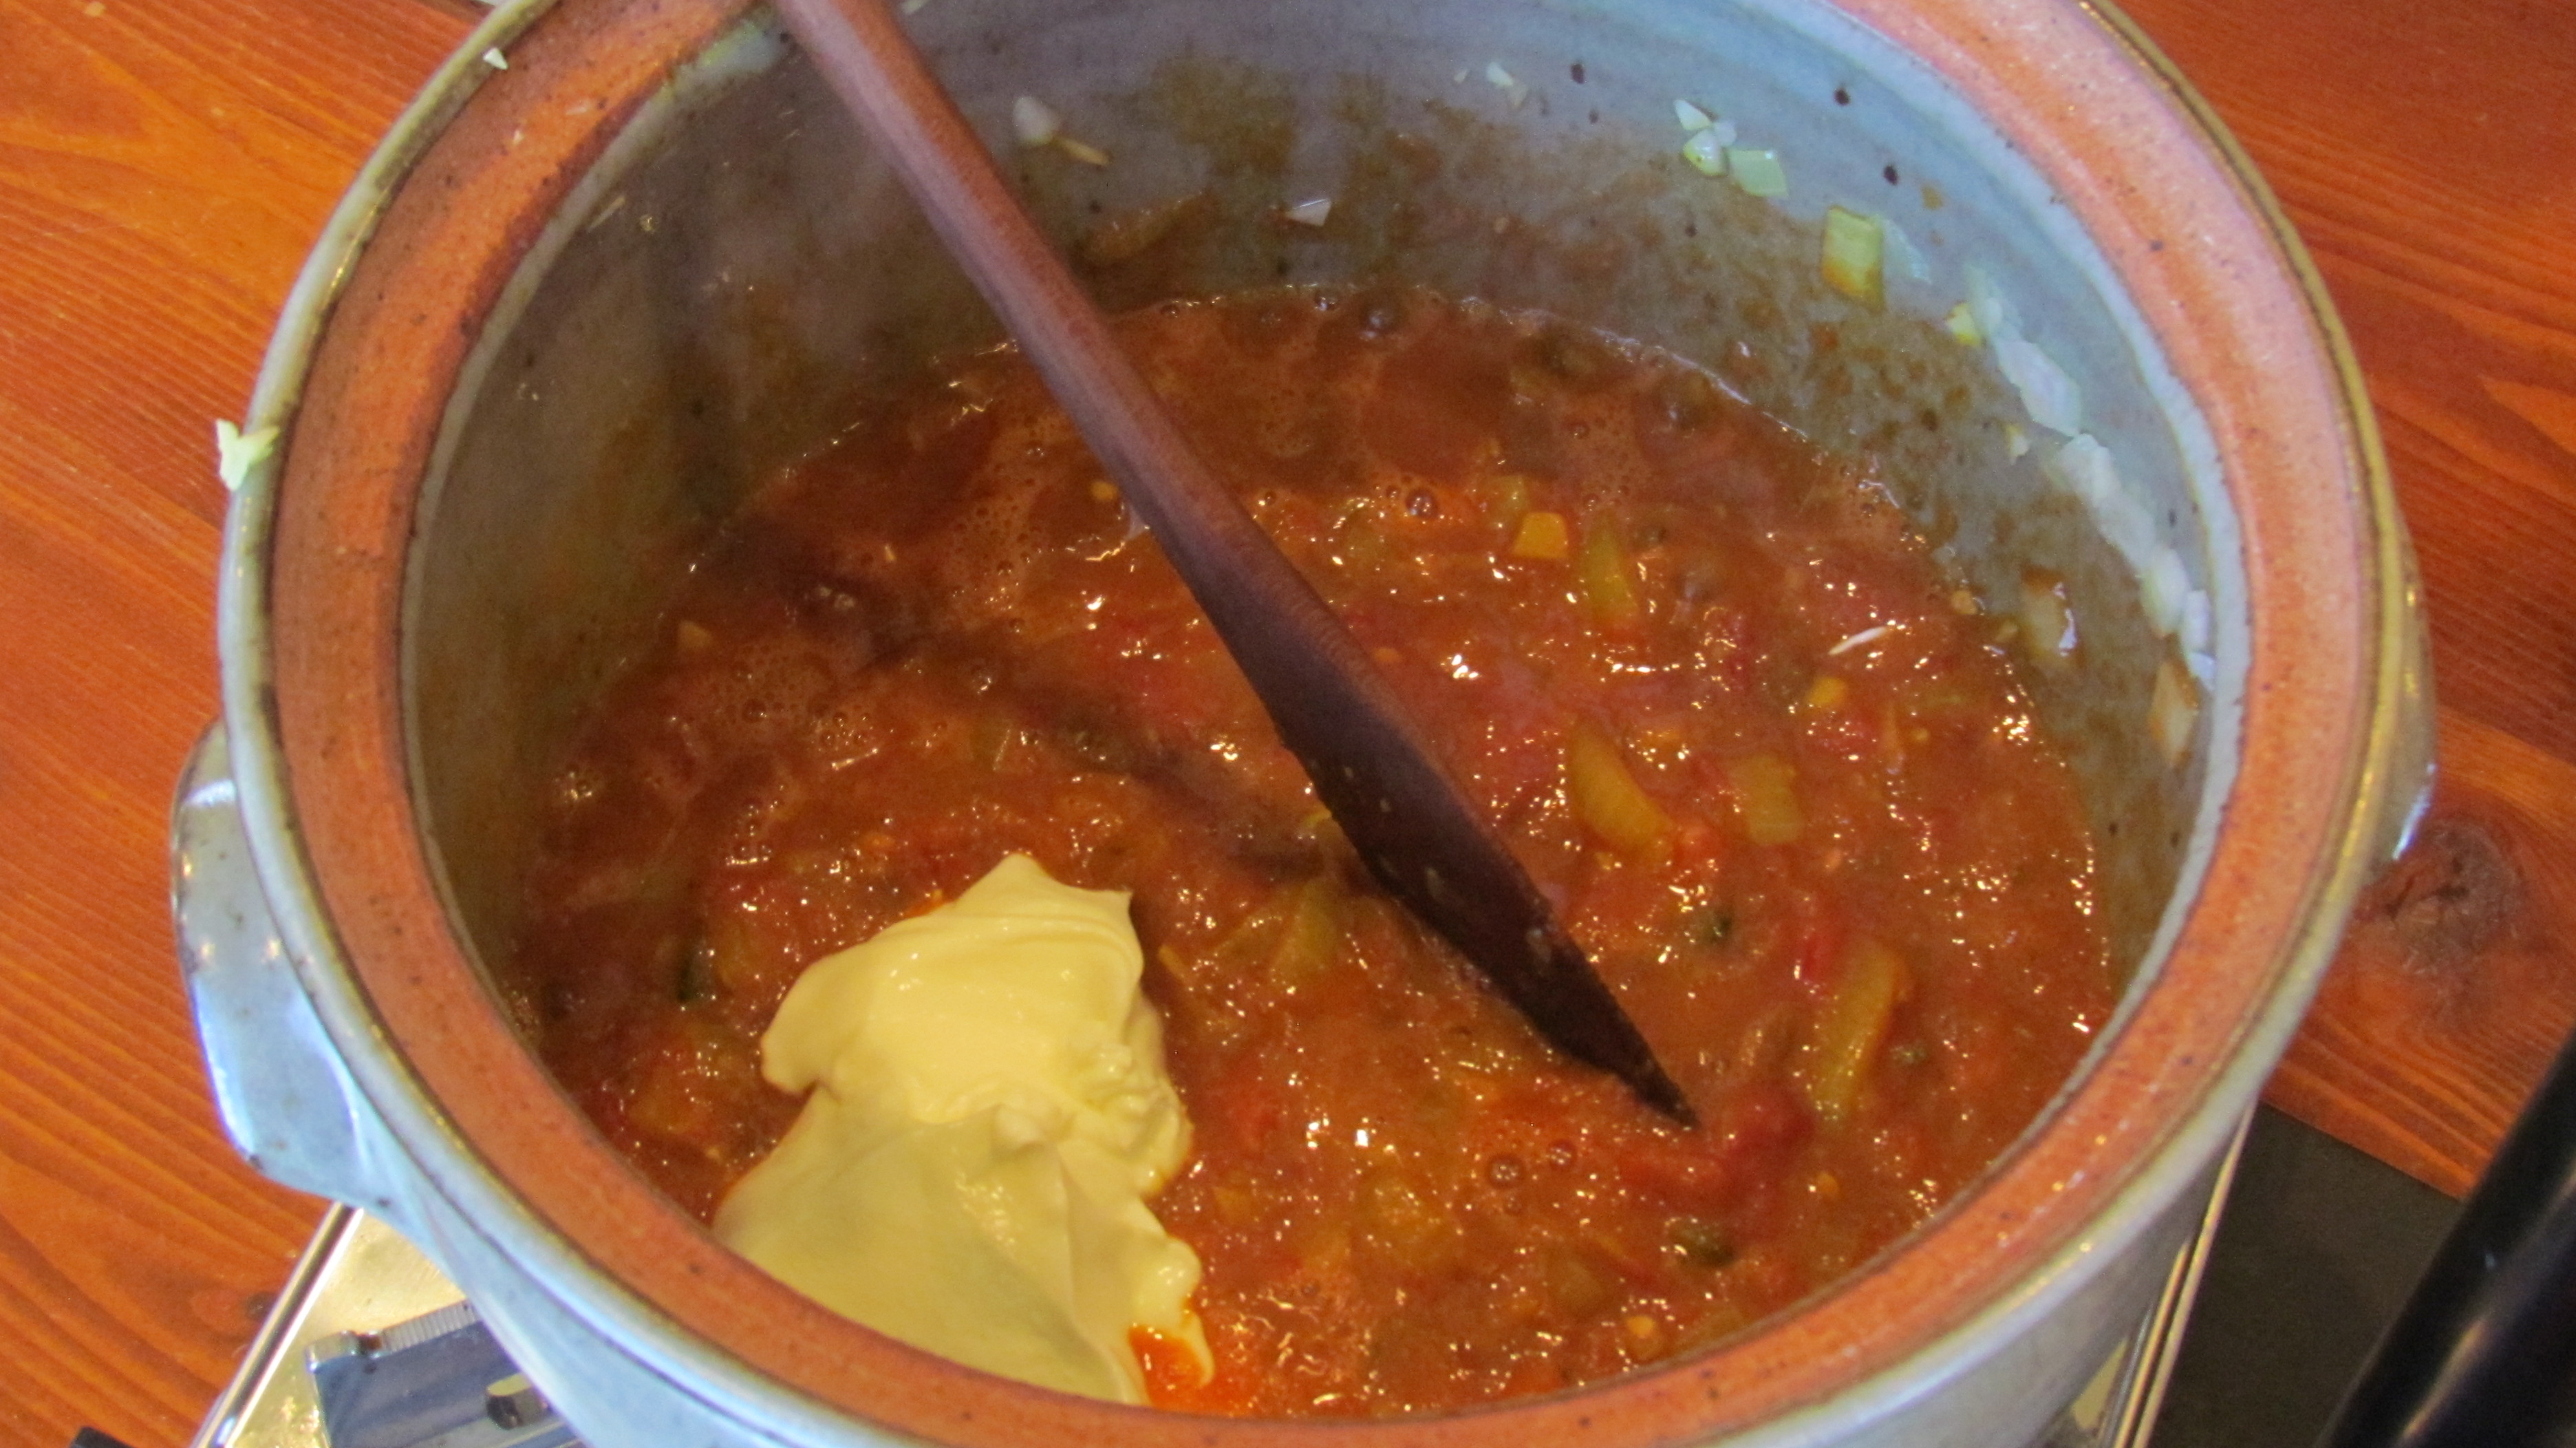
[
  {"x": 162, "y": 170},
  {"x": 2428, "y": 157},
  {"x": 164, "y": 164},
  {"x": 2455, "y": 984}
]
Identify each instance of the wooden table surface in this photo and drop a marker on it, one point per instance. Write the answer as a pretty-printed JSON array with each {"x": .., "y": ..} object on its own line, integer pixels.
[{"x": 164, "y": 165}]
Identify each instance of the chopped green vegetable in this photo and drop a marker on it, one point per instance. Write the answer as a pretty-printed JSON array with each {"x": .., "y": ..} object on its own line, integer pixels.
[
  {"x": 1609, "y": 801},
  {"x": 1766, "y": 795},
  {"x": 1715, "y": 926},
  {"x": 696, "y": 976},
  {"x": 1855, "y": 255},
  {"x": 1704, "y": 1242},
  {"x": 1758, "y": 172}
]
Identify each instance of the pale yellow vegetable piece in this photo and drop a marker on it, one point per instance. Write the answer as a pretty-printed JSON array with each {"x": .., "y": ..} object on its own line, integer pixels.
[
  {"x": 1705, "y": 152},
  {"x": 1609, "y": 582},
  {"x": 1316, "y": 925},
  {"x": 1827, "y": 692},
  {"x": 2173, "y": 711},
  {"x": 1542, "y": 535},
  {"x": 1766, "y": 795},
  {"x": 1608, "y": 800},
  {"x": 1757, "y": 171},
  {"x": 1851, "y": 1031},
  {"x": 1855, "y": 255}
]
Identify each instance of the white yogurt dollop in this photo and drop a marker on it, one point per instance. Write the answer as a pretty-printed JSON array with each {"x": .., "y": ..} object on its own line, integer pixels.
[{"x": 989, "y": 1113}]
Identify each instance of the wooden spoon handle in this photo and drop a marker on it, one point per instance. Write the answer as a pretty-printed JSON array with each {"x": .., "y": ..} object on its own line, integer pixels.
[{"x": 1372, "y": 768}]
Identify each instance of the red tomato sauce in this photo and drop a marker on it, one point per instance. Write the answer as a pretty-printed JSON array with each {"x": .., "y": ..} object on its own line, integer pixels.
[{"x": 1770, "y": 763}]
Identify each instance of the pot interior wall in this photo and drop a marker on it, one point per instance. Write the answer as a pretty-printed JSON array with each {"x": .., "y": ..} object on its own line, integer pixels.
[{"x": 740, "y": 269}]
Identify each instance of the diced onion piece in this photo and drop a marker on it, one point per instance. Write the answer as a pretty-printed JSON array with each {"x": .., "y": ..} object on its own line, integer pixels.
[
  {"x": 493, "y": 57},
  {"x": 2016, "y": 440},
  {"x": 1034, "y": 121},
  {"x": 1502, "y": 80},
  {"x": 1827, "y": 692},
  {"x": 1855, "y": 253},
  {"x": 2161, "y": 586},
  {"x": 1852, "y": 1030},
  {"x": 2047, "y": 618},
  {"x": 1693, "y": 119},
  {"x": 1862, "y": 639},
  {"x": 1903, "y": 256},
  {"x": 1962, "y": 323},
  {"x": 1608, "y": 800},
  {"x": 1987, "y": 305},
  {"x": 1608, "y": 582},
  {"x": 2173, "y": 711},
  {"x": 1311, "y": 213},
  {"x": 1705, "y": 152},
  {"x": 2047, "y": 392},
  {"x": 1083, "y": 151},
  {"x": 1766, "y": 796},
  {"x": 237, "y": 452},
  {"x": 1542, "y": 535},
  {"x": 1758, "y": 172},
  {"x": 2195, "y": 622},
  {"x": 2085, "y": 468}
]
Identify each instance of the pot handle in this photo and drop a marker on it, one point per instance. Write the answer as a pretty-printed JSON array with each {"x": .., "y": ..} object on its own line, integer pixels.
[{"x": 285, "y": 1098}]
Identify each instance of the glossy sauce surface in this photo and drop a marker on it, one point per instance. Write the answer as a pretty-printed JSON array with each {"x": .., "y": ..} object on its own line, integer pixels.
[{"x": 1769, "y": 763}]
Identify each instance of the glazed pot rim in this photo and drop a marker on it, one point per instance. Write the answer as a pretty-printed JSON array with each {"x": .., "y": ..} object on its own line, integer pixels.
[{"x": 314, "y": 710}]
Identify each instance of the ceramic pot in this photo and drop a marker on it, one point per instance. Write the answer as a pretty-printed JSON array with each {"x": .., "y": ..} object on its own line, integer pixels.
[{"x": 575, "y": 306}]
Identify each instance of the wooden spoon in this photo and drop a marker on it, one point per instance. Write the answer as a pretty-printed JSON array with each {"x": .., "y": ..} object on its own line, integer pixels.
[{"x": 1422, "y": 838}]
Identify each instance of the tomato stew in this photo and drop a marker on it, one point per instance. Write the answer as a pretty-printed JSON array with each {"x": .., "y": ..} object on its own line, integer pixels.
[{"x": 1770, "y": 763}]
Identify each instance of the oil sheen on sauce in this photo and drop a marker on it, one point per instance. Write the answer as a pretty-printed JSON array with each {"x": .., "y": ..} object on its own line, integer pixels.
[{"x": 1768, "y": 761}]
